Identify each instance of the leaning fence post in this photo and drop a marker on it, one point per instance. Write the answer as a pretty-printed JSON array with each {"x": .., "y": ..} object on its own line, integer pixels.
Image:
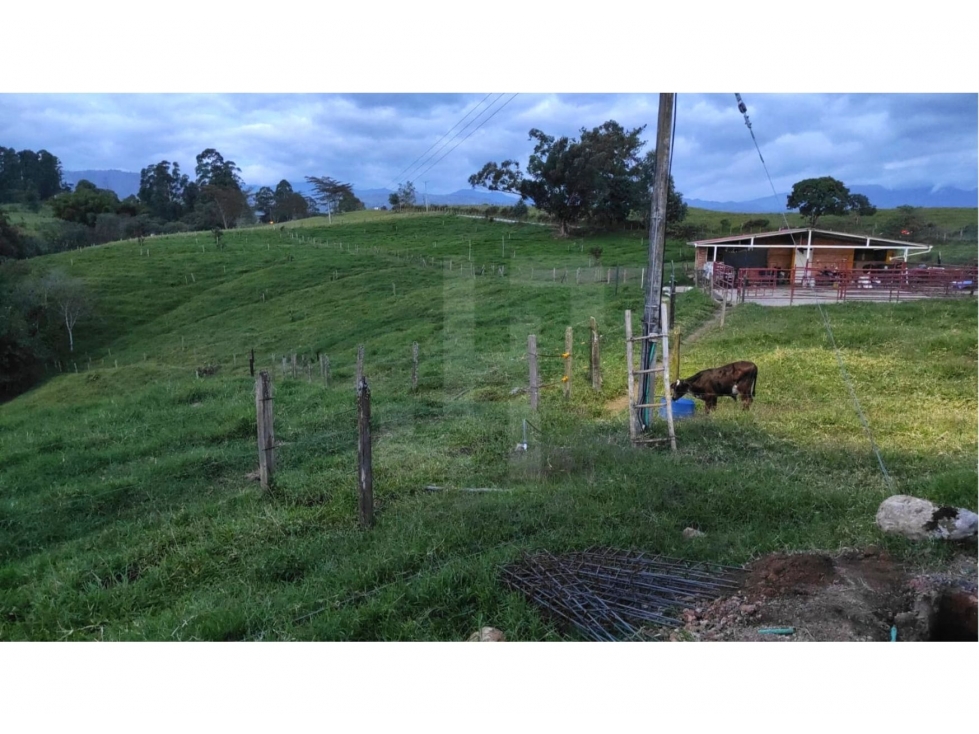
[
  {"x": 414, "y": 366},
  {"x": 266, "y": 436},
  {"x": 568, "y": 344},
  {"x": 534, "y": 377},
  {"x": 365, "y": 469},
  {"x": 596, "y": 368}
]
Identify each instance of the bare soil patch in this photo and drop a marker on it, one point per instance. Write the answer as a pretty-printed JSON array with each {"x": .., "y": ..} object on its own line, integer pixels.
[{"x": 853, "y": 596}]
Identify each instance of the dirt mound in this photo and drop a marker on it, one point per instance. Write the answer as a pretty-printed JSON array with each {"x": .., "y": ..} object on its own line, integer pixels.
[
  {"x": 789, "y": 574},
  {"x": 855, "y": 595}
]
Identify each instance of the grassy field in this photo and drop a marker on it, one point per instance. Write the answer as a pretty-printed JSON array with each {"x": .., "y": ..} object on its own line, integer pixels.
[
  {"x": 30, "y": 222},
  {"x": 126, "y": 512}
]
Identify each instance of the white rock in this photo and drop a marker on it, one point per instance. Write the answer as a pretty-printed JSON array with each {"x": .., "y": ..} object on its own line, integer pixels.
[
  {"x": 689, "y": 533},
  {"x": 920, "y": 519},
  {"x": 488, "y": 634}
]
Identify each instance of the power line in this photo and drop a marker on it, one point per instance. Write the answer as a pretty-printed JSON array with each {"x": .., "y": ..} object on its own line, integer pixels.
[
  {"x": 442, "y": 147},
  {"x": 743, "y": 109},
  {"x": 471, "y": 134},
  {"x": 395, "y": 179}
]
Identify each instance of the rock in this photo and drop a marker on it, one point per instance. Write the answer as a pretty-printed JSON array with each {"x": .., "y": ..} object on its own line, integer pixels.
[
  {"x": 920, "y": 519},
  {"x": 487, "y": 634},
  {"x": 691, "y": 533},
  {"x": 747, "y": 609}
]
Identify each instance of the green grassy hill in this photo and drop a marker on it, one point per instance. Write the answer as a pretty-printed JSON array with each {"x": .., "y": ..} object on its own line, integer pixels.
[{"x": 127, "y": 512}]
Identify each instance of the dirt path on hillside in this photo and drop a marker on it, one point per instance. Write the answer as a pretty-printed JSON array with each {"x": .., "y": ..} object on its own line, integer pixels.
[{"x": 621, "y": 403}]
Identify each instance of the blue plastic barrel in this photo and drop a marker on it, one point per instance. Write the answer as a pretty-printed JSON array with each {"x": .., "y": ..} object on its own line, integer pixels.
[{"x": 682, "y": 408}]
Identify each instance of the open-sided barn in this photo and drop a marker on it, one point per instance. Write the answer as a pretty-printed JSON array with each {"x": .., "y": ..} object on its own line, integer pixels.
[{"x": 791, "y": 265}]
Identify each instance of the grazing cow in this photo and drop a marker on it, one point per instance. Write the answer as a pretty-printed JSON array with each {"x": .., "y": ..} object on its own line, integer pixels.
[{"x": 737, "y": 378}]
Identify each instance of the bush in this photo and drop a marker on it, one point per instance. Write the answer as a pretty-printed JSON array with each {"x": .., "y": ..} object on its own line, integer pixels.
[{"x": 175, "y": 228}]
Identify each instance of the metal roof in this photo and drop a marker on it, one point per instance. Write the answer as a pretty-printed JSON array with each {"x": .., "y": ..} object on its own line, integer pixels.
[{"x": 752, "y": 240}]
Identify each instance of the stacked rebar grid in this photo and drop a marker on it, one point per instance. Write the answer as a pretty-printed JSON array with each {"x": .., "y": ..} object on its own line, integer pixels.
[{"x": 608, "y": 594}]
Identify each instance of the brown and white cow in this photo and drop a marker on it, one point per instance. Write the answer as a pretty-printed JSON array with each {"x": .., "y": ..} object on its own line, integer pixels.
[{"x": 735, "y": 379}]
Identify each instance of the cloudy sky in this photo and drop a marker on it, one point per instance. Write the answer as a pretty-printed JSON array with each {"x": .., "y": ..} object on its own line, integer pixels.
[
  {"x": 122, "y": 86},
  {"x": 378, "y": 140}
]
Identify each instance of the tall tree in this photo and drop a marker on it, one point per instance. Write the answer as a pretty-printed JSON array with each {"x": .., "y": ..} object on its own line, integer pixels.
[
  {"x": 406, "y": 194},
  {"x": 213, "y": 170},
  {"x": 817, "y": 197},
  {"x": 71, "y": 299},
  {"x": 264, "y": 201},
  {"x": 221, "y": 197},
  {"x": 288, "y": 205},
  {"x": 85, "y": 204},
  {"x": 161, "y": 190},
  {"x": 332, "y": 194},
  {"x": 29, "y": 176},
  {"x": 602, "y": 176}
]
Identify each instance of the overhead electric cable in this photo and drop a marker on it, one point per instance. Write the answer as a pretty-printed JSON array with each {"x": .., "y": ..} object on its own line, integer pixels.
[
  {"x": 470, "y": 134},
  {"x": 829, "y": 331},
  {"x": 743, "y": 109},
  {"x": 413, "y": 171},
  {"x": 408, "y": 168}
]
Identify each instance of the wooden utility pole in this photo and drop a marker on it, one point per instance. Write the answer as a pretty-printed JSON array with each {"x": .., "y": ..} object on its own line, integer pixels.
[
  {"x": 266, "y": 434},
  {"x": 657, "y": 236},
  {"x": 365, "y": 502}
]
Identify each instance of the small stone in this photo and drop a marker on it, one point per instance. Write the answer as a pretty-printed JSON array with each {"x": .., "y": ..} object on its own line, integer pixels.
[
  {"x": 748, "y": 609},
  {"x": 487, "y": 634},
  {"x": 690, "y": 533}
]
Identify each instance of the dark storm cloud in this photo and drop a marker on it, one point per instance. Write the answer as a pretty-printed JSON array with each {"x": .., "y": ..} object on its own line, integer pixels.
[{"x": 892, "y": 140}]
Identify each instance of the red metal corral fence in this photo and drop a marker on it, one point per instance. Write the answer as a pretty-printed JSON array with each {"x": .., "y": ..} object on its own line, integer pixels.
[{"x": 789, "y": 286}]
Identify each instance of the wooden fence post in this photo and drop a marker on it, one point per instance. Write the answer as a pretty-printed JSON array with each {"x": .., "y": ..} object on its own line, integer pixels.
[
  {"x": 360, "y": 365},
  {"x": 568, "y": 345},
  {"x": 266, "y": 434},
  {"x": 630, "y": 377},
  {"x": 414, "y": 366},
  {"x": 294, "y": 365},
  {"x": 365, "y": 468},
  {"x": 534, "y": 376},
  {"x": 664, "y": 310},
  {"x": 596, "y": 366},
  {"x": 723, "y": 305}
]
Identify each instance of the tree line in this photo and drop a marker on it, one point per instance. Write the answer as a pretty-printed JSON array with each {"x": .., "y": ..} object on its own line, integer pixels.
[{"x": 168, "y": 202}]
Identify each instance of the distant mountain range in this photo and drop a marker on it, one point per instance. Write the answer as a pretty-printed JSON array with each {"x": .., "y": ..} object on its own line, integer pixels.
[
  {"x": 879, "y": 196},
  {"x": 126, "y": 183}
]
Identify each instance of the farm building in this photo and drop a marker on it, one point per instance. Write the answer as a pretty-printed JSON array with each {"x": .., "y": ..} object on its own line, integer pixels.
[
  {"x": 801, "y": 250},
  {"x": 795, "y": 265}
]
